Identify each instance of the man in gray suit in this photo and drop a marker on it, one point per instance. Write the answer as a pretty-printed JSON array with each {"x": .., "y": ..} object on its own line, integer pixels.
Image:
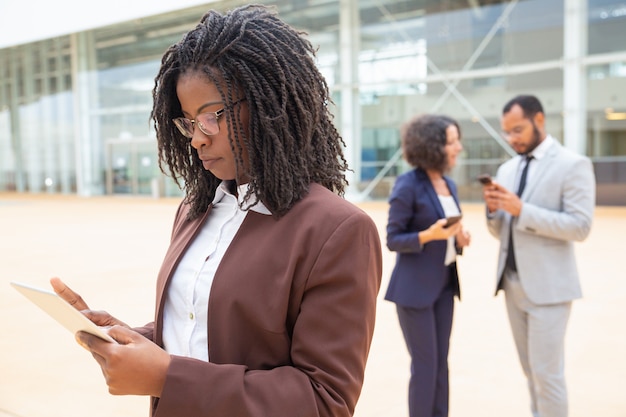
[{"x": 541, "y": 201}]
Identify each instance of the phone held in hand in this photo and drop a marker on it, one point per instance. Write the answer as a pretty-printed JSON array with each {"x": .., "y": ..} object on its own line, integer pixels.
[
  {"x": 485, "y": 179},
  {"x": 452, "y": 220}
]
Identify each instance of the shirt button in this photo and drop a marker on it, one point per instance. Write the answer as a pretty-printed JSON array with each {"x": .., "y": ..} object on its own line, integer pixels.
[{"x": 190, "y": 316}]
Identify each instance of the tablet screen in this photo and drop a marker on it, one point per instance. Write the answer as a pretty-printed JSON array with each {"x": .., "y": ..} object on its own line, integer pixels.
[{"x": 61, "y": 311}]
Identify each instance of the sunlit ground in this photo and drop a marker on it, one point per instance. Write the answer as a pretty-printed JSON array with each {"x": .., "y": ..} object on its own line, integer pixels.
[{"x": 110, "y": 249}]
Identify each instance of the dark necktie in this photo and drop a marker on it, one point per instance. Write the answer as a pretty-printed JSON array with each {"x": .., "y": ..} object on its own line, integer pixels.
[{"x": 510, "y": 257}]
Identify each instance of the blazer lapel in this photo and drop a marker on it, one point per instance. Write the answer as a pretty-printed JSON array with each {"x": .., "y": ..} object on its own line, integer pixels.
[
  {"x": 509, "y": 180},
  {"x": 422, "y": 178},
  {"x": 539, "y": 170},
  {"x": 452, "y": 192},
  {"x": 181, "y": 239}
]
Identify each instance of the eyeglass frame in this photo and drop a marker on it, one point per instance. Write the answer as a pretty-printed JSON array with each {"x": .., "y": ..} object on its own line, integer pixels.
[
  {"x": 517, "y": 131},
  {"x": 179, "y": 122}
]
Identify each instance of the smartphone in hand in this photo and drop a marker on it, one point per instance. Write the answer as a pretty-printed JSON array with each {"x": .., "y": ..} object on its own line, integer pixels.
[
  {"x": 485, "y": 179},
  {"x": 452, "y": 220}
]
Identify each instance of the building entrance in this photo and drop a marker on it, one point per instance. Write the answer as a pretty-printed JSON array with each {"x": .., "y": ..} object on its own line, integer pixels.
[{"x": 132, "y": 168}]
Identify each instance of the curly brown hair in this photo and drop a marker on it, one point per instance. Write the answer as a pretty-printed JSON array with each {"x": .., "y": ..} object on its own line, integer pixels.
[
  {"x": 292, "y": 141},
  {"x": 424, "y": 140}
]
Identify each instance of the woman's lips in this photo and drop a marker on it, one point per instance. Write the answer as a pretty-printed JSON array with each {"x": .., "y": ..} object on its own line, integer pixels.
[{"x": 208, "y": 163}]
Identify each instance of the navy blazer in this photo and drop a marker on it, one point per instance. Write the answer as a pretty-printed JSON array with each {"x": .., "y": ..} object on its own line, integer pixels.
[{"x": 419, "y": 275}]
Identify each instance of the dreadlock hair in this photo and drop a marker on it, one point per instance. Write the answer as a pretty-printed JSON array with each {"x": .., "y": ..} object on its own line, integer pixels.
[
  {"x": 291, "y": 140},
  {"x": 424, "y": 139}
]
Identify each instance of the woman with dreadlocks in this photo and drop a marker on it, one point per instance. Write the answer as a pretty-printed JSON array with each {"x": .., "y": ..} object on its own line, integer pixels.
[{"x": 266, "y": 298}]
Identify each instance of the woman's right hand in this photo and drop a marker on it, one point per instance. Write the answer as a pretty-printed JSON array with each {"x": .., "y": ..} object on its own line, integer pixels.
[{"x": 101, "y": 318}]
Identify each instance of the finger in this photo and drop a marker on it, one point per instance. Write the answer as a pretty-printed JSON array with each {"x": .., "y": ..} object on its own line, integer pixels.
[
  {"x": 95, "y": 345},
  {"x": 68, "y": 294},
  {"x": 84, "y": 339},
  {"x": 442, "y": 222},
  {"x": 497, "y": 187},
  {"x": 123, "y": 335},
  {"x": 456, "y": 228},
  {"x": 80, "y": 340},
  {"x": 492, "y": 194},
  {"x": 92, "y": 343},
  {"x": 101, "y": 318},
  {"x": 101, "y": 361}
]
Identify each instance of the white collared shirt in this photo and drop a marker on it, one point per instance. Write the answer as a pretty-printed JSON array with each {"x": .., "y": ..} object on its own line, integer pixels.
[
  {"x": 538, "y": 153},
  {"x": 450, "y": 209},
  {"x": 187, "y": 298}
]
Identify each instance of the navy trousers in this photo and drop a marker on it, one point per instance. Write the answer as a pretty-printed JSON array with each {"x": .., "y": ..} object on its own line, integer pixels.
[{"x": 427, "y": 335}]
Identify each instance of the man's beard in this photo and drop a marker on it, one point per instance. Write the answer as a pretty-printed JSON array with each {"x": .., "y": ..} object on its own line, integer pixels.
[{"x": 535, "y": 142}]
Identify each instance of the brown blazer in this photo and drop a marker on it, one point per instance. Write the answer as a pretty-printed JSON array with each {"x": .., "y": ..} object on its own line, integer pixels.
[{"x": 291, "y": 315}]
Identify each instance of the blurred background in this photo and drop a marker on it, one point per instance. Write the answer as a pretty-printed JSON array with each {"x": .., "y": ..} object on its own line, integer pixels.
[{"x": 76, "y": 80}]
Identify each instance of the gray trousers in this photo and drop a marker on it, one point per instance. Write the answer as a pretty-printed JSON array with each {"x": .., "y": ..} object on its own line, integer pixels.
[{"x": 539, "y": 334}]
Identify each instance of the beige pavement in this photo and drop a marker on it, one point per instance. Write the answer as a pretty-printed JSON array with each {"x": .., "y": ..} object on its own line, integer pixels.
[{"x": 110, "y": 248}]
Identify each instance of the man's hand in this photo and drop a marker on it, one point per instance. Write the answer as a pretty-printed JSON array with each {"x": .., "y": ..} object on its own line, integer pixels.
[{"x": 499, "y": 198}]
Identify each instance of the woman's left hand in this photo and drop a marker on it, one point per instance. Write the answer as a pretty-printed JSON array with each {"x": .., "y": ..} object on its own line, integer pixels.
[
  {"x": 463, "y": 238},
  {"x": 135, "y": 366}
]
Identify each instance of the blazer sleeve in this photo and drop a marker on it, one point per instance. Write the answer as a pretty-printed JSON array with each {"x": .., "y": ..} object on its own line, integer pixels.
[
  {"x": 401, "y": 237},
  {"x": 146, "y": 331},
  {"x": 571, "y": 217}
]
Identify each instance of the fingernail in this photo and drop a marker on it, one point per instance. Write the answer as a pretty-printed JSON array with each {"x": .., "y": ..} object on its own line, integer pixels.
[{"x": 80, "y": 341}]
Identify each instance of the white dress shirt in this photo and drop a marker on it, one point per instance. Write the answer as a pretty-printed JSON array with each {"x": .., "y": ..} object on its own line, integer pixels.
[
  {"x": 450, "y": 209},
  {"x": 538, "y": 153},
  {"x": 187, "y": 298}
]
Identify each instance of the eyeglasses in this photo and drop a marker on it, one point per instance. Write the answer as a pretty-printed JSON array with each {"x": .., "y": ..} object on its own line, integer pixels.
[
  {"x": 207, "y": 122},
  {"x": 516, "y": 131}
]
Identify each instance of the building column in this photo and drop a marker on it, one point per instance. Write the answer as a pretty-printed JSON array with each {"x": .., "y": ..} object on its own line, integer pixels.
[
  {"x": 349, "y": 107},
  {"x": 574, "y": 75},
  {"x": 89, "y": 168},
  {"x": 15, "y": 122}
]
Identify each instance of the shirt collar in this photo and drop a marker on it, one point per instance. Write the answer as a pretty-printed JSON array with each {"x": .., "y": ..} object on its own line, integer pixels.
[
  {"x": 242, "y": 189},
  {"x": 542, "y": 149}
]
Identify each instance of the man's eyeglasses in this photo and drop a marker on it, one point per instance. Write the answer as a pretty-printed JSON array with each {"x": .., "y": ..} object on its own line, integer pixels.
[
  {"x": 207, "y": 122},
  {"x": 516, "y": 131}
]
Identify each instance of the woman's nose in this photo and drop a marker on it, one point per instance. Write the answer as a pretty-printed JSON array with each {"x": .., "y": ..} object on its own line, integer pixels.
[{"x": 199, "y": 139}]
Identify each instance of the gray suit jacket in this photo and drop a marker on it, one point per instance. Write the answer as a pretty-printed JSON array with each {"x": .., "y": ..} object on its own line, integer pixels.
[{"x": 558, "y": 204}]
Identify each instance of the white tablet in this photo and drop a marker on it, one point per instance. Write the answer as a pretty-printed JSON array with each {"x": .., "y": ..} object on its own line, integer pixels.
[{"x": 61, "y": 311}]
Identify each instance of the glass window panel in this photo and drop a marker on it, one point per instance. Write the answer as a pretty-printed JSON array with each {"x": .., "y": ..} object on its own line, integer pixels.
[
  {"x": 606, "y": 109},
  {"x": 607, "y": 26},
  {"x": 534, "y": 32},
  {"x": 39, "y": 129},
  {"x": 127, "y": 85}
]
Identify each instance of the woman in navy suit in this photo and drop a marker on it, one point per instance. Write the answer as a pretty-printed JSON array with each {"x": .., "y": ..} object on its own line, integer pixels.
[{"x": 425, "y": 280}]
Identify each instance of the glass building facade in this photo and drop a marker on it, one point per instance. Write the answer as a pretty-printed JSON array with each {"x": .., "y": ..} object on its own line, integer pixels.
[{"x": 74, "y": 109}]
